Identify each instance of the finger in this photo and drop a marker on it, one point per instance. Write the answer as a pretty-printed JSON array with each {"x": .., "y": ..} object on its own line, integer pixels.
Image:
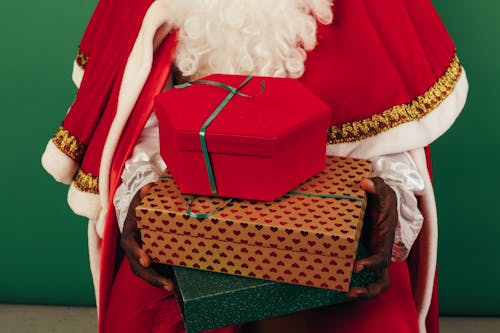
[
  {"x": 150, "y": 275},
  {"x": 368, "y": 185},
  {"x": 356, "y": 292},
  {"x": 131, "y": 247},
  {"x": 373, "y": 263},
  {"x": 145, "y": 189},
  {"x": 373, "y": 289},
  {"x": 140, "y": 263},
  {"x": 374, "y": 185},
  {"x": 382, "y": 199}
]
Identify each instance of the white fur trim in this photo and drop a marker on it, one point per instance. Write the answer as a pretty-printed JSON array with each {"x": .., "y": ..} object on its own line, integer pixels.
[
  {"x": 57, "y": 164},
  {"x": 84, "y": 203},
  {"x": 271, "y": 42},
  {"x": 100, "y": 222},
  {"x": 411, "y": 135},
  {"x": 77, "y": 74},
  {"x": 427, "y": 243},
  {"x": 94, "y": 257},
  {"x": 136, "y": 73}
]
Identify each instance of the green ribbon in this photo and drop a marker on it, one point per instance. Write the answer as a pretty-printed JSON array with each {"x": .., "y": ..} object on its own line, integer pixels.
[
  {"x": 232, "y": 92},
  {"x": 203, "y": 215},
  {"x": 332, "y": 196},
  {"x": 317, "y": 195},
  {"x": 216, "y": 210}
]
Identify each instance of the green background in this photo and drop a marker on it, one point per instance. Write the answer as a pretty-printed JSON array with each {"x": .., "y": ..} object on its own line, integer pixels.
[{"x": 43, "y": 252}]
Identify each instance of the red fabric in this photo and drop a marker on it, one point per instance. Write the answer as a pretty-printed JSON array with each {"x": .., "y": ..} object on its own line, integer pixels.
[
  {"x": 137, "y": 307},
  {"x": 252, "y": 140},
  {"x": 110, "y": 255},
  {"x": 432, "y": 322},
  {"x": 373, "y": 57},
  {"x": 110, "y": 56},
  {"x": 391, "y": 312},
  {"x": 377, "y": 54},
  {"x": 108, "y": 39},
  {"x": 92, "y": 160},
  {"x": 372, "y": 65},
  {"x": 97, "y": 27}
]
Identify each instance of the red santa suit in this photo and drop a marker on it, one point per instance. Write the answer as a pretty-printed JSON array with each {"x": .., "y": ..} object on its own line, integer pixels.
[{"x": 389, "y": 72}]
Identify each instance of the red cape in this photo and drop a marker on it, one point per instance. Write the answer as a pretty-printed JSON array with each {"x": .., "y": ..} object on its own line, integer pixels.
[{"x": 374, "y": 76}]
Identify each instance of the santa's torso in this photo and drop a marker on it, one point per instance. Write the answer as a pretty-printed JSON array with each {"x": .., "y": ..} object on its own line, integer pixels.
[
  {"x": 388, "y": 70},
  {"x": 377, "y": 65}
]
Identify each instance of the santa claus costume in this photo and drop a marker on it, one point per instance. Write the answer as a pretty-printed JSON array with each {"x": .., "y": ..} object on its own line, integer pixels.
[{"x": 388, "y": 70}]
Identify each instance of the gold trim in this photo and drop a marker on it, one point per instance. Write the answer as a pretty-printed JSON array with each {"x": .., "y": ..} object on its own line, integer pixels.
[
  {"x": 81, "y": 59},
  {"x": 86, "y": 182},
  {"x": 399, "y": 114},
  {"x": 68, "y": 144}
]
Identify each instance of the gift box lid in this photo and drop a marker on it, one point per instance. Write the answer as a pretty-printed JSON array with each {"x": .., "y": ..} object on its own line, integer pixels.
[
  {"x": 306, "y": 220},
  {"x": 211, "y": 300},
  {"x": 272, "y": 112}
]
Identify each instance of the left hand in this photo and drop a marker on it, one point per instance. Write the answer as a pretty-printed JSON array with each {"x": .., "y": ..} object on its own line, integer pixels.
[
  {"x": 381, "y": 222},
  {"x": 140, "y": 262}
]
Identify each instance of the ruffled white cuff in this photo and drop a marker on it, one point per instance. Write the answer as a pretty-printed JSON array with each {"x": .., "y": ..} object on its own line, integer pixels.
[
  {"x": 143, "y": 167},
  {"x": 126, "y": 192},
  {"x": 400, "y": 173}
]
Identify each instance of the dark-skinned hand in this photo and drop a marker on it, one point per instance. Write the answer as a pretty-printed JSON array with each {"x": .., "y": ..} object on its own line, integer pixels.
[
  {"x": 380, "y": 225},
  {"x": 140, "y": 261}
]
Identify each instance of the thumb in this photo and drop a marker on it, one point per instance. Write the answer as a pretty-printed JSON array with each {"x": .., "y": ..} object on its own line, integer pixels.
[
  {"x": 144, "y": 258},
  {"x": 145, "y": 189},
  {"x": 368, "y": 185}
]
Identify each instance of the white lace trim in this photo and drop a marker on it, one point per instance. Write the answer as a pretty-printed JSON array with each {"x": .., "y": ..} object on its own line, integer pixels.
[
  {"x": 143, "y": 167},
  {"x": 400, "y": 173},
  {"x": 126, "y": 192}
]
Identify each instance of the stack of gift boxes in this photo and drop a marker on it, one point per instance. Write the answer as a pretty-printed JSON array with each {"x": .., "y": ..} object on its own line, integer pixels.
[{"x": 250, "y": 192}]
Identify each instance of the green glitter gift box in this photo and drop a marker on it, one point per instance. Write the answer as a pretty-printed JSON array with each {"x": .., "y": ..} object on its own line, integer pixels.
[{"x": 211, "y": 300}]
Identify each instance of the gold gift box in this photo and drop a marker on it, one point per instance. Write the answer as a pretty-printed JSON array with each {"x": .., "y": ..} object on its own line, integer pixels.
[{"x": 308, "y": 237}]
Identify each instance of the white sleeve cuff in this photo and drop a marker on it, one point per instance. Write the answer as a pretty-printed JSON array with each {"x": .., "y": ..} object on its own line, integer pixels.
[
  {"x": 126, "y": 192},
  {"x": 143, "y": 167},
  {"x": 401, "y": 174}
]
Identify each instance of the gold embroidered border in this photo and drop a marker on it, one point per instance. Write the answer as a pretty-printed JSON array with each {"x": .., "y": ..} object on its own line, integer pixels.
[
  {"x": 68, "y": 144},
  {"x": 399, "y": 114},
  {"x": 81, "y": 59},
  {"x": 86, "y": 182}
]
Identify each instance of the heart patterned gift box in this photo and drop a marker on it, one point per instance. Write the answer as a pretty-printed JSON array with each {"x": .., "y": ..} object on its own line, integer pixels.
[
  {"x": 308, "y": 236},
  {"x": 233, "y": 136}
]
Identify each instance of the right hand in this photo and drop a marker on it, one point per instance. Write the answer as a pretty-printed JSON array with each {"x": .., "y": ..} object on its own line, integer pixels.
[
  {"x": 382, "y": 219},
  {"x": 140, "y": 261}
]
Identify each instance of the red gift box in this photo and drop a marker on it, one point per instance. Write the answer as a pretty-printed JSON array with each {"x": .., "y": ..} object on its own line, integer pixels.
[{"x": 267, "y": 139}]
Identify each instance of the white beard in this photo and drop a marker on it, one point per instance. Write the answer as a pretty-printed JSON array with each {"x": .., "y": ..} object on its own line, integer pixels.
[{"x": 258, "y": 37}]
